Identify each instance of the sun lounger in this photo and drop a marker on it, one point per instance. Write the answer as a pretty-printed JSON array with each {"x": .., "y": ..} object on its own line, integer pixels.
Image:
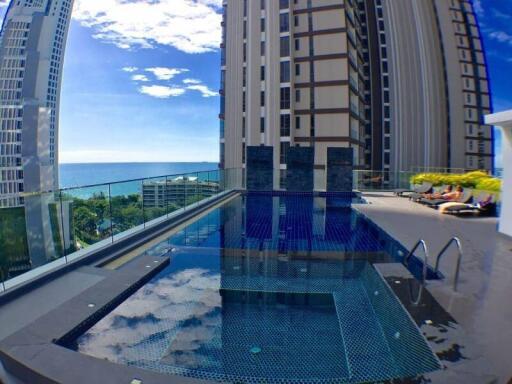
[
  {"x": 418, "y": 192},
  {"x": 485, "y": 206},
  {"x": 466, "y": 198}
]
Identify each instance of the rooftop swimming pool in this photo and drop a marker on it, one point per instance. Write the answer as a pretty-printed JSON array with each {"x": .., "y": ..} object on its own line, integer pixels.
[{"x": 276, "y": 289}]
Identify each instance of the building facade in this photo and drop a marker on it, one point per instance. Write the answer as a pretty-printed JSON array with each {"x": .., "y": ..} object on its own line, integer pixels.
[
  {"x": 177, "y": 192},
  {"x": 33, "y": 41},
  {"x": 402, "y": 82}
]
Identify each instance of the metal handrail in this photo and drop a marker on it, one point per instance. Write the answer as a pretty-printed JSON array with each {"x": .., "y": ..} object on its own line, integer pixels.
[
  {"x": 425, "y": 266},
  {"x": 455, "y": 240}
]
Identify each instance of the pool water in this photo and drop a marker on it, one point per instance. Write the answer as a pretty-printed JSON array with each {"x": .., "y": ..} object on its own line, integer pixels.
[{"x": 268, "y": 289}]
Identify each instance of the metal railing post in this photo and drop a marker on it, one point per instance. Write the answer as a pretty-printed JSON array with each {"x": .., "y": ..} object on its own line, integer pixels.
[
  {"x": 63, "y": 240},
  {"x": 110, "y": 212}
]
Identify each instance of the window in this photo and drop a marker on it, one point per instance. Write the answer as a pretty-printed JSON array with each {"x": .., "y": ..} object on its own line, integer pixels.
[
  {"x": 284, "y": 22},
  {"x": 285, "y": 98},
  {"x": 297, "y": 69},
  {"x": 262, "y": 124},
  {"x": 297, "y": 95},
  {"x": 285, "y": 125},
  {"x": 297, "y": 122},
  {"x": 285, "y": 46},
  {"x": 262, "y": 4},
  {"x": 262, "y": 98},
  {"x": 262, "y": 48},
  {"x": 297, "y": 44},
  {"x": 262, "y": 25},
  {"x": 262, "y": 73},
  {"x": 296, "y": 21},
  {"x": 243, "y": 101},
  {"x": 283, "y": 4},
  {"x": 285, "y": 72}
]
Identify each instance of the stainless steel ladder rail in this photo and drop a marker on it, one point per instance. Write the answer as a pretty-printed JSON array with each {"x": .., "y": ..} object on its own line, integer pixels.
[
  {"x": 425, "y": 266},
  {"x": 453, "y": 240}
]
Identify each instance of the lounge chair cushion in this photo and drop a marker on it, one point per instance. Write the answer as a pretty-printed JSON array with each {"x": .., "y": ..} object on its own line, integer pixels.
[{"x": 454, "y": 207}]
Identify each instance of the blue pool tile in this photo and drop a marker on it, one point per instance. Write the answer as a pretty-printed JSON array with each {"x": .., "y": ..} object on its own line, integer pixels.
[{"x": 289, "y": 277}]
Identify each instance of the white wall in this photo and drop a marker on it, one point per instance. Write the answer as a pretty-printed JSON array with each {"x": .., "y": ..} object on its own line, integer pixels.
[{"x": 504, "y": 120}]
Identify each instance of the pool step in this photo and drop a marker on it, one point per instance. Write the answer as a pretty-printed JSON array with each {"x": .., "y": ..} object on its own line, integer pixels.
[{"x": 368, "y": 354}]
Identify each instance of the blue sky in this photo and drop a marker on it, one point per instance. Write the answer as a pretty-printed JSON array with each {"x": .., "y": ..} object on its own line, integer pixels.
[{"x": 141, "y": 77}]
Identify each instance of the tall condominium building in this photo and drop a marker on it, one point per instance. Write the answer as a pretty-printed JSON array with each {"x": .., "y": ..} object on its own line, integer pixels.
[
  {"x": 33, "y": 40},
  {"x": 402, "y": 82}
]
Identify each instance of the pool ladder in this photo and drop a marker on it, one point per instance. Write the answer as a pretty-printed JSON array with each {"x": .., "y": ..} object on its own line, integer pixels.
[
  {"x": 456, "y": 241},
  {"x": 423, "y": 244}
]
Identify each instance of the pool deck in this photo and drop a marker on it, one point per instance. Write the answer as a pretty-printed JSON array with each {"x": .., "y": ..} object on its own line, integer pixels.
[{"x": 481, "y": 305}]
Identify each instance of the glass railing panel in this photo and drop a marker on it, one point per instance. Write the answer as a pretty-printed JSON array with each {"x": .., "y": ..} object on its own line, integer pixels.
[
  {"x": 191, "y": 189},
  {"x": 86, "y": 217},
  {"x": 127, "y": 207},
  {"x": 381, "y": 180},
  {"x": 178, "y": 191},
  {"x": 30, "y": 236},
  {"x": 213, "y": 179},
  {"x": 154, "y": 198}
]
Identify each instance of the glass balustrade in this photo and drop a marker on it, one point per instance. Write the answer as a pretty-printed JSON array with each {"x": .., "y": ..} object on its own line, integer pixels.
[{"x": 55, "y": 228}]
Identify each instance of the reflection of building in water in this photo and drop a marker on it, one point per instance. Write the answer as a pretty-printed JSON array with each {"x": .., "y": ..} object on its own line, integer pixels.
[
  {"x": 178, "y": 191},
  {"x": 33, "y": 40},
  {"x": 32, "y": 235}
]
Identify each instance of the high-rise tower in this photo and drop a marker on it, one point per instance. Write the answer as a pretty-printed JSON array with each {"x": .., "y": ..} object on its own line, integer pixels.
[
  {"x": 33, "y": 41},
  {"x": 292, "y": 76},
  {"x": 402, "y": 82}
]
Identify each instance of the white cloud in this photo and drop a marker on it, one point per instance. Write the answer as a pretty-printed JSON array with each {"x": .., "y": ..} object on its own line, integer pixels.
[
  {"x": 161, "y": 91},
  {"x": 163, "y": 73},
  {"x": 130, "y": 69},
  {"x": 140, "y": 78},
  {"x": 477, "y": 7},
  {"x": 502, "y": 37},
  {"x": 205, "y": 91},
  {"x": 500, "y": 15},
  {"x": 191, "y": 26},
  {"x": 192, "y": 81}
]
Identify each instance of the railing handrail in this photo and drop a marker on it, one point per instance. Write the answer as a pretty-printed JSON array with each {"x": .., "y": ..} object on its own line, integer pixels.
[
  {"x": 457, "y": 241},
  {"x": 425, "y": 266},
  {"x": 29, "y": 194}
]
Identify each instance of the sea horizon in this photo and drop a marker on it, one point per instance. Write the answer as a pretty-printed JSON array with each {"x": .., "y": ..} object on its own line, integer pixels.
[{"x": 73, "y": 175}]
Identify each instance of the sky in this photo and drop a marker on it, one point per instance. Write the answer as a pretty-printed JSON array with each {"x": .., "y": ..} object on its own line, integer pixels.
[{"x": 141, "y": 78}]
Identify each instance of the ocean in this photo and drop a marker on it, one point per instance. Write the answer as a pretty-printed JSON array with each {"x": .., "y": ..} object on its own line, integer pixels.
[{"x": 76, "y": 175}]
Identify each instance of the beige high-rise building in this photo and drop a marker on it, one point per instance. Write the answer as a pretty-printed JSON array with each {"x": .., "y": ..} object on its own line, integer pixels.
[
  {"x": 402, "y": 82},
  {"x": 32, "y": 47}
]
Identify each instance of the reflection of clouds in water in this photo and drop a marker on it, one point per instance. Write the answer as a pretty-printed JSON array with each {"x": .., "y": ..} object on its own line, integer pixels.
[
  {"x": 190, "y": 347},
  {"x": 153, "y": 315}
]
